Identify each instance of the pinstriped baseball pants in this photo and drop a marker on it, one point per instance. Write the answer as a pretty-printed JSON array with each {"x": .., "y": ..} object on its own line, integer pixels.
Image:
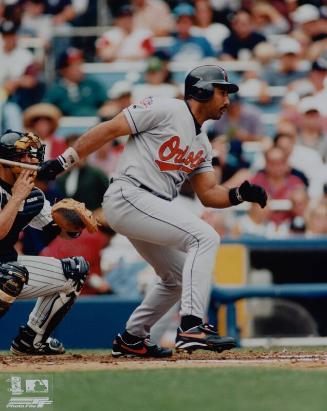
[{"x": 46, "y": 282}]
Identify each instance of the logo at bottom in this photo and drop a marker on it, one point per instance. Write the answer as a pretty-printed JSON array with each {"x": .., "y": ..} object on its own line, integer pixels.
[
  {"x": 29, "y": 393},
  {"x": 28, "y": 402}
]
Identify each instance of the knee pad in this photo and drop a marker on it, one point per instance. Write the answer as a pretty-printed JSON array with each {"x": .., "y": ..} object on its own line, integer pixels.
[
  {"x": 13, "y": 276},
  {"x": 76, "y": 269}
]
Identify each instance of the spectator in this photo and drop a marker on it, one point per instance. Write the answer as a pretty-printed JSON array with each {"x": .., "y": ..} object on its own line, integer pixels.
[
  {"x": 240, "y": 122},
  {"x": 305, "y": 162},
  {"x": 252, "y": 84},
  {"x": 287, "y": 144},
  {"x": 36, "y": 22},
  {"x": 311, "y": 133},
  {"x": 155, "y": 85},
  {"x": 124, "y": 41},
  {"x": 187, "y": 47},
  {"x": 18, "y": 70},
  {"x": 41, "y": 17},
  {"x": 264, "y": 53},
  {"x": 43, "y": 120},
  {"x": 308, "y": 20},
  {"x": 204, "y": 26},
  {"x": 73, "y": 93},
  {"x": 316, "y": 220},
  {"x": 61, "y": 11},
  {"x": 313, "y": 84},
  {"x": 227, "y": 162},
  {"x": 267, "y": 19},
  {"x": 164, "y": 56},
  {"x": 256, "y": 223},
  {"x": 288, "y": 66},
  {"x": 254, "y": 88},
  {"x": 90, "y": 247},
  {"x": 120, "y": 96},
  {"x": 106, "y": 158},
  {"x": 277, "y": 180},
  {"x": 62, "y": 14},
  {"x": 13, "y": 11},
  {"x": 86, "y": 13},
  {"x": 83, "y": 183},
  {"x": 153, "y": 15},
  {"x": 219, "y": 220},
  {"x": 300, "y": 202},
  {"x": 243, "y": 39}
]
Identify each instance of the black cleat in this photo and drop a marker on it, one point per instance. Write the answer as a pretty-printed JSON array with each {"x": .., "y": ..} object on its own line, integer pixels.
[
  {"x": 23, "y": 344},
  {"x": 143, "y": 349},
  {"x": 202, "y": 337}
]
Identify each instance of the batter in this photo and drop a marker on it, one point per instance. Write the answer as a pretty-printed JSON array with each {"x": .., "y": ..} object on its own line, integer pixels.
[{"x": 165, "y": 147}]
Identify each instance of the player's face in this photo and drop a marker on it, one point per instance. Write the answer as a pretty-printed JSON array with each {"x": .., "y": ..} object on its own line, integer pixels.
[
  {"x": 218, "y": 104},
  {"x": 27, "y": 159}
]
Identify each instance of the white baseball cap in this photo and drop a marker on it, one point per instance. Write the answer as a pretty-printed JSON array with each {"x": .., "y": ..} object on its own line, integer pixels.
[
  {"x": 305, "y": 14},
  {"x": 288, "y": 45},
  {"x": 119, "y": 89},
  {"x": 308, "y": 104}
]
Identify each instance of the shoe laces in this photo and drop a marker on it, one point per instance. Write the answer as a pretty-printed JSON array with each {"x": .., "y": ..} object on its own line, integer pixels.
[
  {"x": 53, "y": 342},
  {"x": 148, "y": 342},
  {"x": 209, "y": 327}
]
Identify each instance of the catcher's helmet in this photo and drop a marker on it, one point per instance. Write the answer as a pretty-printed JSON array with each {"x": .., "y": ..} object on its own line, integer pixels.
[
  {"x": 200, "y": 82},
  {"x": 15, "y": 144}
]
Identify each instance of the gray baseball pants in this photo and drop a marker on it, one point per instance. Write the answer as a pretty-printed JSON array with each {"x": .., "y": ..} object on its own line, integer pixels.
[{"x": 180, "y": 246}]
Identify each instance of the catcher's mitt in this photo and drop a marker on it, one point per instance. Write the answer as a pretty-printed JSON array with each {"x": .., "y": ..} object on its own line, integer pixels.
[{"x": 72, "y": 216}]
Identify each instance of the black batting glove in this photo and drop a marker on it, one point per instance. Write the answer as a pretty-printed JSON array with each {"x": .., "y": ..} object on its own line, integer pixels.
[
  {"x": 50, "y": 169},
  {"x": 248, "y": 192}
]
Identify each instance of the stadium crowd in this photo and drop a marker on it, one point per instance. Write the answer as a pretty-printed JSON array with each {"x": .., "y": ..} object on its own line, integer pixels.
[{"x": 282, "y": 45}]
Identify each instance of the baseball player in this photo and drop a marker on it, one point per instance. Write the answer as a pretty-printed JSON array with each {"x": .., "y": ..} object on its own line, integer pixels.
[
  {"x": 165, "y": 147},
  {"x": 55, "y": 283}
]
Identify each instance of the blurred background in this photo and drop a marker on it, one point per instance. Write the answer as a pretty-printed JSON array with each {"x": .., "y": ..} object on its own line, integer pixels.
[{"x": 68, "y": 64}]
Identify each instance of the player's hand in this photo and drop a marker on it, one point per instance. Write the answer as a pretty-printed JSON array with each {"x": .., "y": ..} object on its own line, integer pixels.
[
  {"x": 253, "y": 193},
  {"x": 23, "y": 185},
  {"x": 50, "y": 169}
]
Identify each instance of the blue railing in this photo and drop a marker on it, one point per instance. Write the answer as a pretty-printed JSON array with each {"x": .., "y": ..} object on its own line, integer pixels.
[
  {"x": 228, "y": 296},
  {"x": 293, "y": 243}
]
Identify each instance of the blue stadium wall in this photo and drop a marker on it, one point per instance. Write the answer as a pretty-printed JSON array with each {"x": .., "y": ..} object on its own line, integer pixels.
[{"x": 93, "y": 322}]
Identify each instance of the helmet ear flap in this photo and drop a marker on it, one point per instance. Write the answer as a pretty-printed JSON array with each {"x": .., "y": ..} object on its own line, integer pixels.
[{"x": 201, "y": 92}]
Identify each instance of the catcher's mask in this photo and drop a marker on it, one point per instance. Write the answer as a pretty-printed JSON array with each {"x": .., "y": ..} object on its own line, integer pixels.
[{"x": 15, "y": 144}]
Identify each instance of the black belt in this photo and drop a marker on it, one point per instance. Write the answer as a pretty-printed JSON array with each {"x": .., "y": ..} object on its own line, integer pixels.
[{"x": 143, "y": 187}]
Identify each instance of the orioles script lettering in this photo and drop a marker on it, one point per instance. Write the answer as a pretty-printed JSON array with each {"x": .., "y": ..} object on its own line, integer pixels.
[{"x": 174, "y": 158}]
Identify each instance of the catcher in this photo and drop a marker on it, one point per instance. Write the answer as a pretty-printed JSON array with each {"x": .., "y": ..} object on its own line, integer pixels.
[{"x": 55, "y": 283}]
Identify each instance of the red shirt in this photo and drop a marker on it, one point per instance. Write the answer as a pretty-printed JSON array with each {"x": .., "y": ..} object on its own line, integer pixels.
[
  {"x": 58, "y": 146},
  {"x": 87, "y": 245},
  {"x": 283, "y": 192}
]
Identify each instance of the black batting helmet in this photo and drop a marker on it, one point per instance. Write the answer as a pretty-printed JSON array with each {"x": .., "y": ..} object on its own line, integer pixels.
[
  {"x": 200, "y": 82},
  {"x": 14, "y": 144}
]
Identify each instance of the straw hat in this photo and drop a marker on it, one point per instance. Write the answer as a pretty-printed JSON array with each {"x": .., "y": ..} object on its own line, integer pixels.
[{"x": 41, "y": 110}]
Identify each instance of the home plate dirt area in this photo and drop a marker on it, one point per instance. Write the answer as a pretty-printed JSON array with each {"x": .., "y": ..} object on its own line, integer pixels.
[{"x": 104, "y": 361}]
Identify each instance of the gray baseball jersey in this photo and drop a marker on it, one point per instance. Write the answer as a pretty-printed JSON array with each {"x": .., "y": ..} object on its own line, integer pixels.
[{"x": 167, "y": 146}]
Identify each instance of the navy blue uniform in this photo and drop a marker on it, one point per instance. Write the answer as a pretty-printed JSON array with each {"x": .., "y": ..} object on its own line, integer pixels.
[{"x": 34, "y": 211}]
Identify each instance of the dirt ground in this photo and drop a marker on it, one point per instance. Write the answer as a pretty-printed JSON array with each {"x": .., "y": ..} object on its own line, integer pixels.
[{"x": 88, "y": 362}]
